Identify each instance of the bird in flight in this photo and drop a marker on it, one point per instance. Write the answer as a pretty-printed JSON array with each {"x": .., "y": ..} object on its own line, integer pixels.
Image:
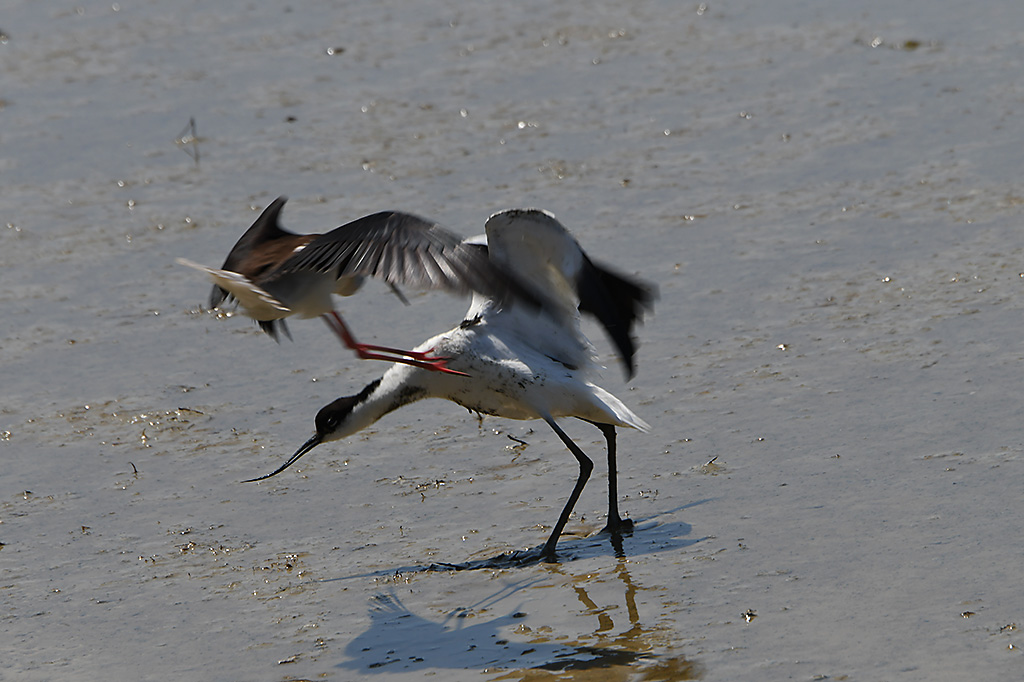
[{"x": 274, "y": 274}]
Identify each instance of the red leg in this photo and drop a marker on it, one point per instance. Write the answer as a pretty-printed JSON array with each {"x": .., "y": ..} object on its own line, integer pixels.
[{"x": 365, "y": 351}]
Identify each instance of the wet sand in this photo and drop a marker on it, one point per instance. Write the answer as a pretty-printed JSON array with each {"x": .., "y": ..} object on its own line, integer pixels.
[{"x": 825, "y": 196}]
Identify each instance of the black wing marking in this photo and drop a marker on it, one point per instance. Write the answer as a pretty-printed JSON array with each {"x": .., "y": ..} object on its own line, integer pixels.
[{"x": 618, "y": 302}]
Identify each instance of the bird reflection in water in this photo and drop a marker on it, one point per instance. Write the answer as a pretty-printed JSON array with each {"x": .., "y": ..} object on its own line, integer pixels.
[{"x": 399, "y": 640}]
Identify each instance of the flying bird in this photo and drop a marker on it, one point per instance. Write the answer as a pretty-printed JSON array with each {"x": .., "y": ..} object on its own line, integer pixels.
[
  {"x": 523, "y": 361},
  {"x": 274, "y": 274}
]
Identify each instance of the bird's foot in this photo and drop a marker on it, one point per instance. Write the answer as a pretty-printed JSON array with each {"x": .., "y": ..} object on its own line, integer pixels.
[{"x": 618, "y": 526}]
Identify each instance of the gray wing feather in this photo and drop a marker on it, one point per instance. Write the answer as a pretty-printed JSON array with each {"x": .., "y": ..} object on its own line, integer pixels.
[{"x": 403, "y": 250}]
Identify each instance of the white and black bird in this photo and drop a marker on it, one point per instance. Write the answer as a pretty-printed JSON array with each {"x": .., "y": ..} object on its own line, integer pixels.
[
  {"x": 522, "y": 361},
  {"x": 274, "y": 274}
]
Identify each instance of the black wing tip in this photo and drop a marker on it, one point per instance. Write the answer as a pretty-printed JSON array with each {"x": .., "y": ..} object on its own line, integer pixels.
[
  {"x": 618, "y": 301},
  {"x": 274, "y": 327},
  {"x": 269, "y": 219},
  {"x": 273, "y": 210},
  {"x": 265, "y": 228},
  {"x": 648, "y": 294}
]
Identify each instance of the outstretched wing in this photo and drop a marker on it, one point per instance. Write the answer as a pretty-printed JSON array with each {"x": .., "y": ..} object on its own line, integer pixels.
[
  {"x": 403, "y": 250},
  {"x": 538, "y": 249}
]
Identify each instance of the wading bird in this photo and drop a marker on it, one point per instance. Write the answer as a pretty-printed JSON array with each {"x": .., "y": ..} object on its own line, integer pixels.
[
  {"x": 523, "y": 361},
  {"x": 274, "y": 273}
]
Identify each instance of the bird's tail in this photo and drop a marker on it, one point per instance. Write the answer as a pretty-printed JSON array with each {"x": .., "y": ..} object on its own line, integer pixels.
[
  {"x": 256, "y": 302},
  {"x": 623, "y": 416}
]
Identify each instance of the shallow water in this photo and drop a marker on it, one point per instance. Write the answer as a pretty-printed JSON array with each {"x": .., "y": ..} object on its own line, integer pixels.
[{"x": 825, "y": 195}]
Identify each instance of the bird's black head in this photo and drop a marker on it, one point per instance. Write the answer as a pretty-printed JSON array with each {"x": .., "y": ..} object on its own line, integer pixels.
[{"x": 330, "y": 417}]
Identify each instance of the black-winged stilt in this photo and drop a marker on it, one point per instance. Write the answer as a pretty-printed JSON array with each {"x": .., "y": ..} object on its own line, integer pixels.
[
  {"x": 274, "y": 273},
  {"x": 523, "y": 362}
]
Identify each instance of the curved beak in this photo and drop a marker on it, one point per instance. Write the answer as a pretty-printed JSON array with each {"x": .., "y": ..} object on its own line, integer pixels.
[{"x": 306, "y": 447}]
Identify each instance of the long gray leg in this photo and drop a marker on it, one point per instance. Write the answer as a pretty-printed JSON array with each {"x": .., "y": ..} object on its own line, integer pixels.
[
  {"x": 616, "y": 524},
  {"x": 586, "y": 466}
]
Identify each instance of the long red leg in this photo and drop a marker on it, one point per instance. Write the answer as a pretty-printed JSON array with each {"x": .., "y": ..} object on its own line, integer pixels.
[{"x": 366, "y": 351}]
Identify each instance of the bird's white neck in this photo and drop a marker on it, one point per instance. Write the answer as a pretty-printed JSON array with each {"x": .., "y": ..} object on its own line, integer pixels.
[{"x": 398, "y": 387}]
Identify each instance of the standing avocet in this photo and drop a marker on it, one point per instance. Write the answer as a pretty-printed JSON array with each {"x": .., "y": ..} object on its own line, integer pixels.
[{"x": 523, "y": 361}]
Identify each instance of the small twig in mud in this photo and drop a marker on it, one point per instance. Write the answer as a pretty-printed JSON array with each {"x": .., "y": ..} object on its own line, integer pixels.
[
  {"x": 189, "y": 141},
  {"x": 518, "y": 440}
]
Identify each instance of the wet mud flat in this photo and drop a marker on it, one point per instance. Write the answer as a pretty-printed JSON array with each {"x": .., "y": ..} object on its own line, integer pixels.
[{"x": 824, "y": 195}]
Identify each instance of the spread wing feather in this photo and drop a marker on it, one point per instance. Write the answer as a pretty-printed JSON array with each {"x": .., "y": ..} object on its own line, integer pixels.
[{"x": 403, "y": 250}]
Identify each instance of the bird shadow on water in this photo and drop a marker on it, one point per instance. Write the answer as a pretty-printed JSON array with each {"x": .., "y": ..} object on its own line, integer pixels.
[
  {"x": 648, "y": 536},
  {"x": 645, "y": 537},
  {"x": 401, "y": 641},
  {"x": 520, "y": 646}
]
